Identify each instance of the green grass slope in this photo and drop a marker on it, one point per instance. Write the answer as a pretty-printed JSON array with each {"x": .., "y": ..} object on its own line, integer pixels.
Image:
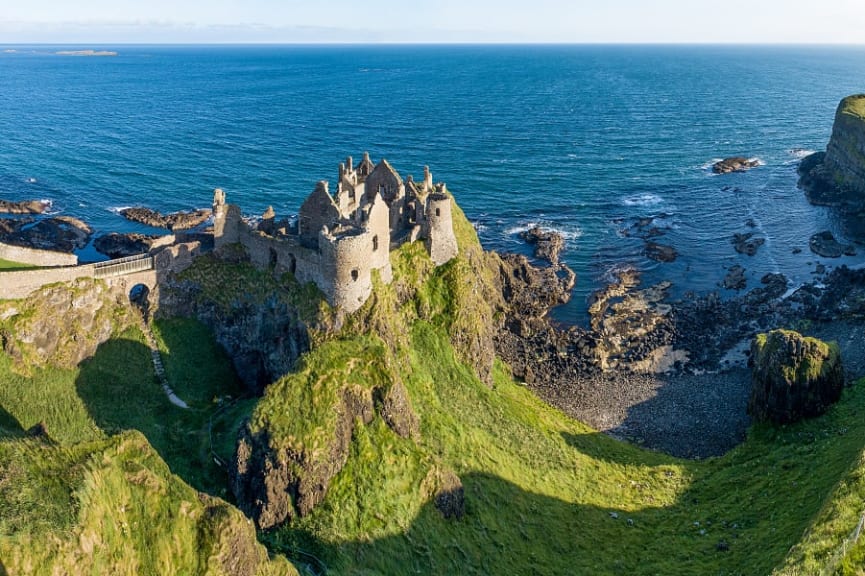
[
  {"x": 544, "y": 494},
  {"x": 121, "y": 482}
]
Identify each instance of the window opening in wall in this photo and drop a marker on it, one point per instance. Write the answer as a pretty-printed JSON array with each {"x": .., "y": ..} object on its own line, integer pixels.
[
  {"x": 354, "y": 274},
  {"x": 438, "y": 212},
  {"x": 374, "y": 243},
  {"x": 273, "y": 258},
  {"x": 292, "y": 263}
]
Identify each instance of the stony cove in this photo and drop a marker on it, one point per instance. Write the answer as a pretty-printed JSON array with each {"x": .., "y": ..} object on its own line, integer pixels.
[{"x": 368, "y": 390}]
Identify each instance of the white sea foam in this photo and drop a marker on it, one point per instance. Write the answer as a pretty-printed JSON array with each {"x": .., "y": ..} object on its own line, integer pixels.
[
  {"x": 118, "y": 209},
  {"x": 708, "y": 165},
  {"x": 566, "y": 232},
  {"x": 759, "y": 161},
  {"x": 642, "y": 200},
  {"x": 799, "y": 153},
  {"x": 31, "y": 180}
]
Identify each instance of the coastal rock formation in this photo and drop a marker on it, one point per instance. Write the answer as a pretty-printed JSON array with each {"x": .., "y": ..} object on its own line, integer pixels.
[
  {"x": 661, "y": 252},
  {"x": 264, "y": 339},
  {"x": 793, "y": 376},
  {"x": 277, "y": 480},
  {"x": 548, "y": 244},
  {"x": 836, "y": 177},
  {"x": 746, "y": 243},
  {"x": 116, "y": 245},
  {"x": 23, "y": 207},
  {"x": 735, "y": 278},
  {"x": 824, "y": 244},
  {"x": 61, "y": 233},
  {"x": 61, "y": 325},
  {"x": 734, "y": 164},
  {"x": 173, "y": 221}
]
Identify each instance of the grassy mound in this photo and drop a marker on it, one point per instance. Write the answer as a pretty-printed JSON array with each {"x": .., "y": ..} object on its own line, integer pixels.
[
  {"x": 108, "y": 481},
  {"x": 113, "y": 507},
  {"x": 853, "y": 106}
]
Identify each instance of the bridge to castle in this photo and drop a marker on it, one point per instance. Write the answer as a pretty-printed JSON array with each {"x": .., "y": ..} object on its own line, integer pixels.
[{"x": 121, "y": 274}]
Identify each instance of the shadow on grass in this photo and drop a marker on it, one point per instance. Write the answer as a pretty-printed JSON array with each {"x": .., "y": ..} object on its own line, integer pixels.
[
  {"x": 120, "y": 390},
  {"x": 9, "y": 428},
  {"x": 738, "y": 514}
]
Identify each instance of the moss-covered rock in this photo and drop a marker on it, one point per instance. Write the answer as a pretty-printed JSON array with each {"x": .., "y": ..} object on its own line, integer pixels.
[
  {"x": 794, "y": 376},
  {"x": 837, "y": 177}
]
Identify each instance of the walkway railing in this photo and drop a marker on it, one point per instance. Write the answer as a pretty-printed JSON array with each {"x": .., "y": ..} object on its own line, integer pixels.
[{"x": 121, "y": 266}]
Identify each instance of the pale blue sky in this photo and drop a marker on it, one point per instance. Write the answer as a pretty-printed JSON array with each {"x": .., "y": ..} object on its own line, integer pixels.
[{"x": 720, "y": 21}]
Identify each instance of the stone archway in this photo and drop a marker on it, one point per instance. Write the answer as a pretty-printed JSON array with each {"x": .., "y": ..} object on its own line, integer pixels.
[{"x": 139, "y": 296}]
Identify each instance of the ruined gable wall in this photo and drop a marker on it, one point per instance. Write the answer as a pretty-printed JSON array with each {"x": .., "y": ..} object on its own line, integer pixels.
[{"x": 317, "y": 211}]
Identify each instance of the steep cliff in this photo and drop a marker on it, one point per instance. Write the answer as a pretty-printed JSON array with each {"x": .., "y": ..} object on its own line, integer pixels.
[{"x": 837, "y": 177}]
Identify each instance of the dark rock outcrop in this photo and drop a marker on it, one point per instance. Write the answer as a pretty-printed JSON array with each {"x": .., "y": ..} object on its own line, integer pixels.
[
  {"x": 734, "y": 164},
  {"x": 23, "y": 207},
  {"x": 173, "y": 221},
  {"x": 824, "y": 244},
  {"x": 263, "y": 340},
  {"x": 735, "y": 278},
  {"x": 548, "y": 244},
  {"x": 116, "y": 245},
  {"x": 793, "y": 376},
  {"x": 746, "y": 243},
  {"x": 661, "y": 252},
  {"x": 837, "y": 177},
  {"x": 61, "y": 233},
  {"x": 276, "y": 484}
]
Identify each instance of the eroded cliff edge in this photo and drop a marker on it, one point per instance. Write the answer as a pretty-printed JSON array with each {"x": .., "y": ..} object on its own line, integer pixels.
[{"x": 836, "y": 177}]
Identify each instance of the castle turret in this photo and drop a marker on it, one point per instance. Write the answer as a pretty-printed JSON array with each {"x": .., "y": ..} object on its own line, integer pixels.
[
  {"x": 441, "y": 242},
  {"x": 226, "y": 218}
]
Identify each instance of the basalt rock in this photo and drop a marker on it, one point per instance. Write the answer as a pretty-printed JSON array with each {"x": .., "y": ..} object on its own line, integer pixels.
[
  {"x": 548, "y": 244},
  {"x": 661, "y": 252},
  {"x": 23, "y": 207},
  {"x": 735, "y": 278},
  {"x": 747, "y": 243},
  {"x": 837, "y": 177},
  {"x": 60, "y": 234},
  {"x": 116, "y": 245},
  {"x": 824, "y": 244},
  {"x": 734, "y": 164},
  {"x": 173, "y": 221},
  {"x": 793, "y": 376}
]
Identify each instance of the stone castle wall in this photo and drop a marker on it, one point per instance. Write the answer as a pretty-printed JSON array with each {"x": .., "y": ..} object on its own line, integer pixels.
[
  {"x": 340, "y": 240},
  {"x": 172, "y": 259},
  {"x": 36, "y": 257}
]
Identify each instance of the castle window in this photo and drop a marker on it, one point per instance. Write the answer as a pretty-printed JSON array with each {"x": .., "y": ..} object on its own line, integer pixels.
[
  {"x": 438, "y": 212},
  {"x": 354, "y": 274},
  {"x": 292, "y": 263},
  {"x": 374, "y": 243}
]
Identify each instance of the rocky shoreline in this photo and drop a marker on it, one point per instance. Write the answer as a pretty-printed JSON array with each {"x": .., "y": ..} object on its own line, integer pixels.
[{"x": 668, "y": 375}]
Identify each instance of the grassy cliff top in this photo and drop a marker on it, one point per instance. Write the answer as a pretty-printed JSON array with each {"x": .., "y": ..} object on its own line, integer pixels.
[{"x": 853, "y": 105}]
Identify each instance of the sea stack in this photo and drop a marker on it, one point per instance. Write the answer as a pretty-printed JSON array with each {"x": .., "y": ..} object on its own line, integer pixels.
[{"x": 836, "y": 177}]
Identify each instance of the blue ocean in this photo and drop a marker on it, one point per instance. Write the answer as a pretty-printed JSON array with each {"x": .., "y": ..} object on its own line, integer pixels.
[{"x": 593, "y": 141}]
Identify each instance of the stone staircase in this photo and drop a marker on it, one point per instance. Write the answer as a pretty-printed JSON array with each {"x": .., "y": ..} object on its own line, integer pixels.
[{"x": 158, "y": 367}]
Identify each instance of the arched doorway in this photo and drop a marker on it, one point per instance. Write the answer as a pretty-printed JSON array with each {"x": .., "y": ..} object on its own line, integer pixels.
[{"x": 139, "y": 296}]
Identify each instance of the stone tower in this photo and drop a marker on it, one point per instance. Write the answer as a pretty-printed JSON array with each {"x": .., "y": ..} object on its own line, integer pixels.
[{"x": 441, "y": 242}]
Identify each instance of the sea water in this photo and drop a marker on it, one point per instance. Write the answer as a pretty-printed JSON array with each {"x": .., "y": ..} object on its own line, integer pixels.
[{"x": 585, "y": 140}]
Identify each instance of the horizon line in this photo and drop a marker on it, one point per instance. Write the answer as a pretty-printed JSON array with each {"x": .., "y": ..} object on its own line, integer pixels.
[{"x": 431, "y": 43}]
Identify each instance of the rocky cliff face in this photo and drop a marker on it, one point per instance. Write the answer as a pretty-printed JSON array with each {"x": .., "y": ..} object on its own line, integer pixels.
[
  {"x": 61, "y": 324},
  {"x": 837, "y": 177}
]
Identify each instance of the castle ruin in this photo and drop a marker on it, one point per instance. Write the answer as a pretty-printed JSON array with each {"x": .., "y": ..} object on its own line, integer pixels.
[{"x": 339, "y": 239}]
